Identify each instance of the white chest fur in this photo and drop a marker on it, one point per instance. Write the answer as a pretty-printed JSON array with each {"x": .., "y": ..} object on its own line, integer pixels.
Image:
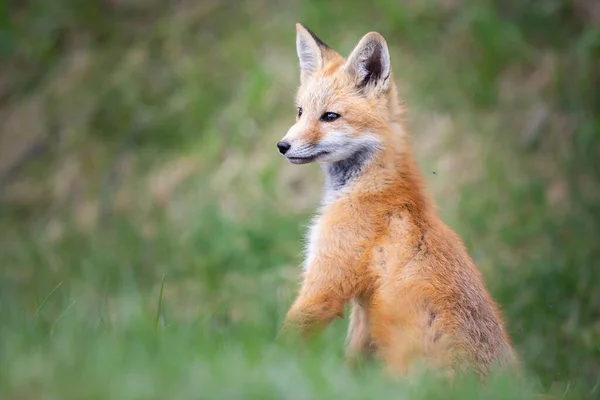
[{"x": 312, "y": 242}]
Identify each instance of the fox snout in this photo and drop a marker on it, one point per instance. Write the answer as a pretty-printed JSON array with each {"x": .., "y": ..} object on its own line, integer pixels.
[
  {"x": 300, "y": 153},
  {"x": 302, "y": 144}
]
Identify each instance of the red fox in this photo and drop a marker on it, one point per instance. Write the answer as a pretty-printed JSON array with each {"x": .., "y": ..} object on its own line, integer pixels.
[{"x": 377, "y": 241}]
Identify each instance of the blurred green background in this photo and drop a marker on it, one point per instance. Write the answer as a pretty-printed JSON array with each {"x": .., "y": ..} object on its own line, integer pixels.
[{"x": 150, "y": 234}]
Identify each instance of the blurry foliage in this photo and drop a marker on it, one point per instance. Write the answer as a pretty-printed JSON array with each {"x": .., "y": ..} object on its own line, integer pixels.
[{"x": 123, "y": 88}]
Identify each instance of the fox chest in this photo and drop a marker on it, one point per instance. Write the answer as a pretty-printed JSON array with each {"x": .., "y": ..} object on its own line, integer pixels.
[
  {"x": 347, "y": 239},
  {"x": 334, "y": 241}
]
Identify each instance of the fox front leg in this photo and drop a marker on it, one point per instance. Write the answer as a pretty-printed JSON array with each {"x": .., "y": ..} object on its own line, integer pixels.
[
  {"x": 312, "y": 314},
  {"x": 321, "y": 299}
]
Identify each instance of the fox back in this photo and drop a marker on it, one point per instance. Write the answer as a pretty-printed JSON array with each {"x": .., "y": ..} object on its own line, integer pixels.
[{"x": 377, "y": 241}]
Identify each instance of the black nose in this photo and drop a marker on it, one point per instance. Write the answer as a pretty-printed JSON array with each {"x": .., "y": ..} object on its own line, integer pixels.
[{"x": 283, "y": 147}]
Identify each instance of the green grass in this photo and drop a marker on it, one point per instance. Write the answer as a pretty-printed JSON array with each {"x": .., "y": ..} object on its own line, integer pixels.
[{"x": 151, "y": 247}]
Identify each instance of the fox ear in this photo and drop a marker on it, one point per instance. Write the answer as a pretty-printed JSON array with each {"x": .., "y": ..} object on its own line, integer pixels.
[
  {"x": 310, "y": 51},
  {"x": 370, "y": 63}
]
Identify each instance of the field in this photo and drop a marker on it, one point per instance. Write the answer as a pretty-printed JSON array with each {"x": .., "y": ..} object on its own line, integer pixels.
[{"x": 150, "y": 234}]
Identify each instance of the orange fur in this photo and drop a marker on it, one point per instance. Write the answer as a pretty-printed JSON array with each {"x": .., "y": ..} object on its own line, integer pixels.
[{"x": 378, "y": 242}]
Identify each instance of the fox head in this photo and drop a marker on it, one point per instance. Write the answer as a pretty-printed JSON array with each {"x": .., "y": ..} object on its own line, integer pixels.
[{"x": 342, "y": 103}]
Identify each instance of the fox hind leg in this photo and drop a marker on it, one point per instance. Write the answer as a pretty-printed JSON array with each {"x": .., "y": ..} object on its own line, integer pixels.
[{"x": 359, "y": 344}]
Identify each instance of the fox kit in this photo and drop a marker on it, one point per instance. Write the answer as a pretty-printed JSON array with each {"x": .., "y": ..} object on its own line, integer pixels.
[{"x": 377, "y": 242}]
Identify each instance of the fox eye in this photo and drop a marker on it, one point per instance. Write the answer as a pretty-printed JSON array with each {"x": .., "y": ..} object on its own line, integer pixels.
[
  {"x": 329, "y": 117},
  {"x": 299, "y": 112}
]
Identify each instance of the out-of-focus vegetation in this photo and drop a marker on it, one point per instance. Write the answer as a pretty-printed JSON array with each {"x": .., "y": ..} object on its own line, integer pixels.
[{"x": 150, "y": 234}]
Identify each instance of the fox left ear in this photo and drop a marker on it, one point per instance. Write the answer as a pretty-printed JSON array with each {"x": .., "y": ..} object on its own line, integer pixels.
[
  {"x": 370, "y": 63},
  {"x": 310, "y": 51}
]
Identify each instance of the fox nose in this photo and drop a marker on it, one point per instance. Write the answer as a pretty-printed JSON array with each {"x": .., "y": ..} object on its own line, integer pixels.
[{"x": 283, "y": 147}]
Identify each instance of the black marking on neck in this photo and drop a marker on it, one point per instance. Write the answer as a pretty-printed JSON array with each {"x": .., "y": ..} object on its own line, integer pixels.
[{"x": 339, "y": 173}]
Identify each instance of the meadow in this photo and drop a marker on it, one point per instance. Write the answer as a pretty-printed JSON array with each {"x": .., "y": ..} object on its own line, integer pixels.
[{"x": 151, "y": 235}]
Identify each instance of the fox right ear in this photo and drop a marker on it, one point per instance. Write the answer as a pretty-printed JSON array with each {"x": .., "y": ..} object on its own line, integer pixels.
[
  {"x": 369, "y": 63},
  {"x": 310, "y": 51}
]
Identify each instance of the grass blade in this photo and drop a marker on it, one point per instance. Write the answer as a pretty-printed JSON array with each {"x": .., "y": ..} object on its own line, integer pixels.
[
  {"x": 160, "y": 296},
  {"x": 37, "y": 311}
]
